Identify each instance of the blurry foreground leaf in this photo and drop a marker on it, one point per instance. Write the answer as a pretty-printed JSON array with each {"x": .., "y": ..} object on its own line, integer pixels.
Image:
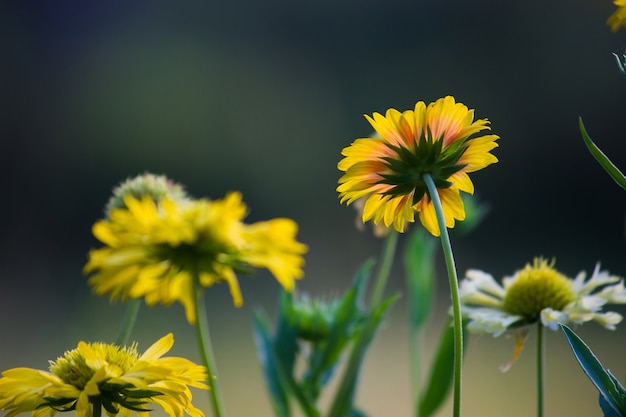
[
  {"x": 604, "y": 161},
  {"x": 344, "y": 397},
  {"x": 317, "y": 333},
  {"x": 612, "y": 393},
  {"x": 420, "y": 272},
  {"x": 441, "y": 374}
]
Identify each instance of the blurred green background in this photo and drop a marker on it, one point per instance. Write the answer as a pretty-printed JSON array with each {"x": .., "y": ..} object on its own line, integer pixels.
[{"x": 260, "y": 97}]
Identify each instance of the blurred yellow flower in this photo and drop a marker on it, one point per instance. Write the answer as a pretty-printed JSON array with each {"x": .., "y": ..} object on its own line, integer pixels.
[
  {"x": 157, "y": 250},
  {"x": 98, "y": 375},
  {"x": 618, "y": 18},
  {"x": 388, "y": 171},
  {"x": 539, "y": 292}
]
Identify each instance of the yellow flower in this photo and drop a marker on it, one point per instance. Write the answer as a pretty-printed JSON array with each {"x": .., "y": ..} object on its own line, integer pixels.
[
  {"x": 539, "y": 292},
  {"x": 99, "y": 375},
  {"x": 388, "y": 171},
  {"x": 157, "y": 250},
  {"x": 618, "y": 18}
]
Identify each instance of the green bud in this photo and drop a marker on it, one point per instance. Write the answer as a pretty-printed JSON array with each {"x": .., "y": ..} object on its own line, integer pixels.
[
  {"x": 157, "y": 187},
  {"x": 313, "y": 318}
]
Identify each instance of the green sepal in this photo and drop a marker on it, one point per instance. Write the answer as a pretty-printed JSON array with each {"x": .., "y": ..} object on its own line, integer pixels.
[
  {"x": 441, "y": 374},
  {"x": 612, "y": 393},
  {"x": 58, "y": 404},
  {"x": 604, "y": 161}
]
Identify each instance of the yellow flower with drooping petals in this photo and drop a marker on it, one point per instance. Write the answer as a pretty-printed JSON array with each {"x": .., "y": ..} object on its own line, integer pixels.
[
  {"x": 388, "y": 171},
  {"x": 155, "y": 250},
  {"x": 99, "y": 375},
  {"x": 618, "y": 18}
]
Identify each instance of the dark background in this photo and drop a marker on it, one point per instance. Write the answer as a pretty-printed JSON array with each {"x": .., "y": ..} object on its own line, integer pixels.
[{"x": 260, "y": 97}]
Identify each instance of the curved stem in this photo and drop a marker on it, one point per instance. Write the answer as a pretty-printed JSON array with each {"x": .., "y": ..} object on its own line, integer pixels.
[
  {"x": 128, "y": 322},
  {"x": 454, "y": 293},
  {"x": 540, "y": 371},
  {"x": 389, "y": 250},
  {"x": 206, "y": 350}
]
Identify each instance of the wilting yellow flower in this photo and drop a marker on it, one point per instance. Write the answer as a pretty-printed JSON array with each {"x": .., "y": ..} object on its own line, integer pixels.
[
  {"x": 157, "y": 250},
  {"x": 539, "y": 292},
  {"x": 618, "y": 18},
  {"x": 388, "y": 171},
  {"x": 99, "y": 375}
]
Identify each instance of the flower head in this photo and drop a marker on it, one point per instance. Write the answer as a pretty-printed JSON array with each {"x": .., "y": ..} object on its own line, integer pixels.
[
  {"x": 159, "y": 250},
  {"x": 618, "y": 18},
  {"x": 156, "y": 187},
  {"x": 96, "y": 375},
  {"x": 539, "y": 292},
  {"x": 388, "y": 171}
]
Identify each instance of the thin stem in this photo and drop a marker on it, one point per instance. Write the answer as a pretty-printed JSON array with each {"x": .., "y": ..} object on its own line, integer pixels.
[
  {"x": 128, "y": 322},
  {"x": 415, "y": 346},
  {"x": 389, "y": 250},
  {"x": 540, "y": 370},
  {"x": 454, "y": 293},
  {"x": 206, "y": 350}
]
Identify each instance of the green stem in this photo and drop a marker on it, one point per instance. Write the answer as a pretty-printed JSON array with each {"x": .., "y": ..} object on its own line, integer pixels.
[
  {"x": 415, "y": 346},
  {"x": 206, "y": 350},
  {"x": 454, "y": 293},
  {"x": 128, "y": 322},
  {"x": 540, "y": 371},
  {"x": 389, "y": 250},
  {"x": 96, "y": 407}
]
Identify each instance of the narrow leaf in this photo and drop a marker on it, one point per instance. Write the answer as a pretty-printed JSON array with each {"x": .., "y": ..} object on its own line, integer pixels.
[
  {"x": 420, "y": 274},
  {"x": 610, "y": 389},
  {"x": 441, "y": 373},
  {"x": 604, "y": 161},
  {"x": 270, "y": 366},
  {"x": 344, "y": 397}
]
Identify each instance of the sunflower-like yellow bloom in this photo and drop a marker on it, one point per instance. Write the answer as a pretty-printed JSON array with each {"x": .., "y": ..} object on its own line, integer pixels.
[
  {"x": 618, "y": 18},
  {"x": 155, "y": 250},
  {"x": 388, "y": 171},
  {"x": 99, "y": 375}
]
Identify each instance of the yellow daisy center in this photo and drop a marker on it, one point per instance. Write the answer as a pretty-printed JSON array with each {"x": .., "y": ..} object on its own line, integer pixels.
[
  {"x": 536, "y": 287},
  {"x": 75, "y": 369}
]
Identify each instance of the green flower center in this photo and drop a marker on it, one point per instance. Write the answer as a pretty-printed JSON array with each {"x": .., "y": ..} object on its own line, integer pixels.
[
  {"x": 537, "y": 287},
  {"x": 73, "y": 368},
  {"x": 407, "y": 168},
  {"x": 202, "y": 256}
]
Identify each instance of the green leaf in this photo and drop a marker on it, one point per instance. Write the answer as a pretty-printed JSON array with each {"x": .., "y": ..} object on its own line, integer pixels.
[
  {"x": 344, "y": 397},
  {"x": 441, "y": 373},
  {"x": 420, "y": 272},
  {"x": 270, "y": 365},
  {"x": 357, "y": 413},
  {"x": 611, "y": 391},
  {"x": 325, "y": 356},
  {"x": 604, "y": 161},
  {"x": 607, "y": 410}
]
